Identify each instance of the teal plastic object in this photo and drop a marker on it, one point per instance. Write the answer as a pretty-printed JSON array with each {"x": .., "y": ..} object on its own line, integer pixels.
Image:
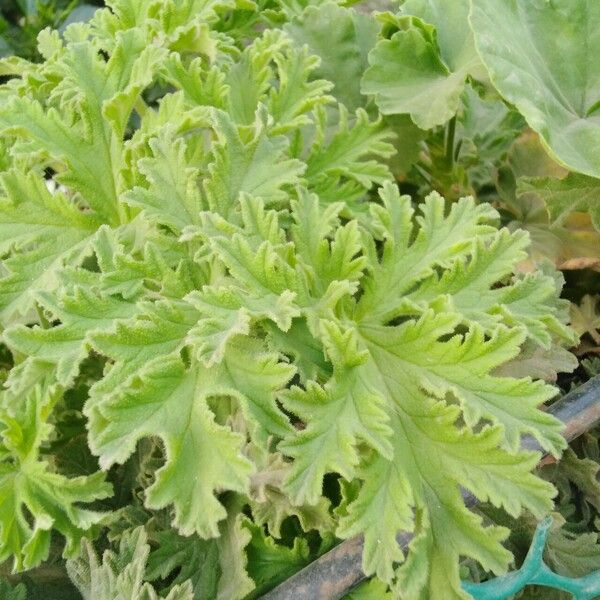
[{"x": 535, "y": 572}]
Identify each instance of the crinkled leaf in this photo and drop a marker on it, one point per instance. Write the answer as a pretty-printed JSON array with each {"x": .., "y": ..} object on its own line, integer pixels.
[
  {"x": 47, "y": 229},
  {"x": 81, "y": 314},
  {"x": 168, "y": 400},
  {"x": 348, "y": 154},
  {"x": 138, "y": 343},
  {"x": 348, "y": 409},
  {"x": 271, "y": 505},
  {"x": 258, "y": 168},
  {"x": 173, "y": 197},
  {"x": 432, "y": 384}
]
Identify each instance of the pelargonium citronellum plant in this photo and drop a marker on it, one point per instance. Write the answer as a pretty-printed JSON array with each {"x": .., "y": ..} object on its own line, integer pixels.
[{"x": 223, "y": 321}]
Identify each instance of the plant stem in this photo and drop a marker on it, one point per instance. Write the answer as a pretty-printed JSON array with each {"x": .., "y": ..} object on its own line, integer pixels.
[
  {"x": 423, "y": 173},
  {"x": 450, "y": 132},
  {"x": 40, "y": 575}
]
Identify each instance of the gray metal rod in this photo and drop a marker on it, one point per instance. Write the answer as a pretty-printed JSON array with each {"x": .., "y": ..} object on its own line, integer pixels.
[{"x": 336, "y": 572}]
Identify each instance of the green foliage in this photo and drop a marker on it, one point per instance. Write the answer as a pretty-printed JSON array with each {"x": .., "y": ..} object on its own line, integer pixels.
[
  {"x": 214, "y": 289},
  {"x": 8, "y": 592}
]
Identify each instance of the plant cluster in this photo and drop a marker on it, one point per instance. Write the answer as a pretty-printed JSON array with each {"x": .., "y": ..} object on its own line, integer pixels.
[{"x": 278, "y": 273}]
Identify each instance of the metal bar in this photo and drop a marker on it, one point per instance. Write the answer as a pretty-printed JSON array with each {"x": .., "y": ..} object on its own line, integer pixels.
[{"x": 339, "y": 570}]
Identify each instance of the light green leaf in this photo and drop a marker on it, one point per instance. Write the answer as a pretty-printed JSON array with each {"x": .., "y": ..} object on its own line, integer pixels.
[
  {"x": 254, "y": 377},
  {"x": 461, "y": 457},
  {"x": 439, "y": 241},
  {"x": 454, "y": 423},
  {"x": 234, "y": 537},
  {"x": 325, "y": 260},
  {"x": 200, "y": 85},
  {"x": 261, "y": 270},
  {"x": 173, "y": 197},
  {"x": 540, "y": 56},
  {"x": 231, "y": 319},
  {"x": 31, "y": 213},
  {"x": 78, "y": 134},
  {"x": 471, "y": 291},
  {"x": 133, "y": 345},
  {"x": 82, "y": 314},
  {"x": 132, "y": 67},
  {"x": 45, "y": 231},
  {"x": 168, "y": 401},
  {"x": 249, "y": 79},
  {"x": 298, "y": 92},
  {"x": 228, "y": 312},
  {"x": 348, "y": 155},
  {"x": 347, "y": 411},
  {"x": 48, "y": 133},
  {"x": 135, "y": 275},
  {"x": 258, "y": 168},
  {"x": 460, "y": 366}
]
